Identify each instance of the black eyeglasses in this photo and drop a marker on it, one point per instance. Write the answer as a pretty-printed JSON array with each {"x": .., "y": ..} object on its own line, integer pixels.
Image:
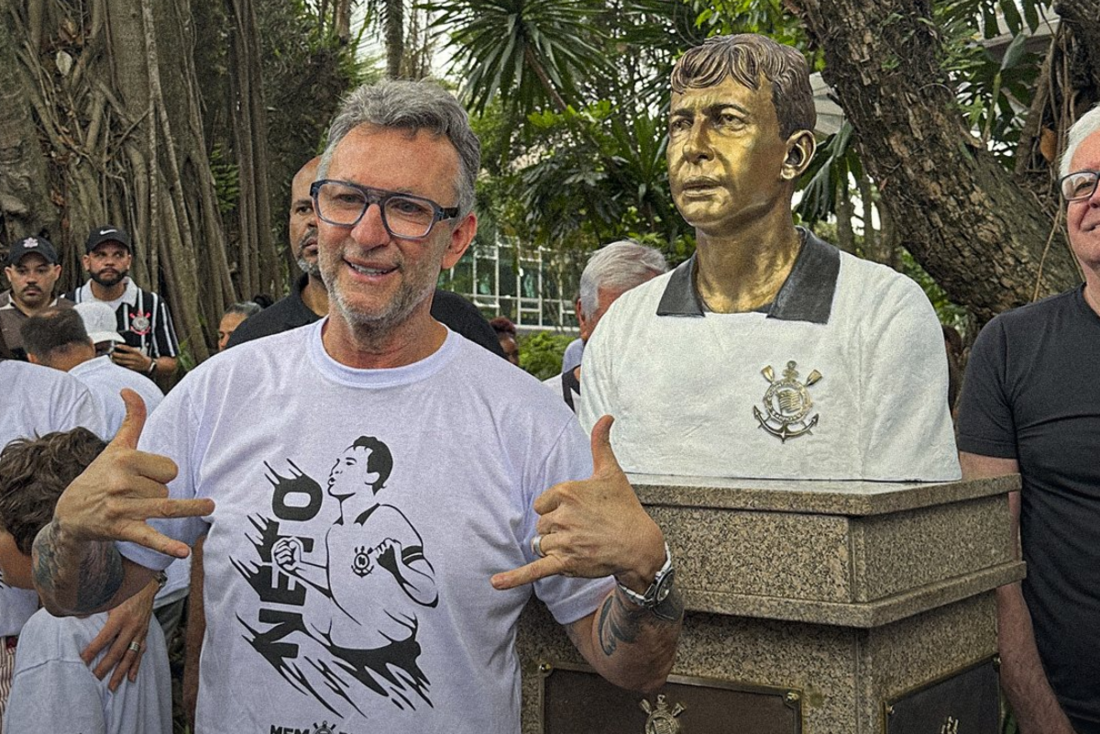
[
  {"x": 403, "y": 215},
  {"x": 1078, "y": 185}
]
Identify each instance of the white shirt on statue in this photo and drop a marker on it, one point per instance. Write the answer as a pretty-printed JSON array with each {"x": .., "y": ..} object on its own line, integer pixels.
[{"x": 843, "y": 377}]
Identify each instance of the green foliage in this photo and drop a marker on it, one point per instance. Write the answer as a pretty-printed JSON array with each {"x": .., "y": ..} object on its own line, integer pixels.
[
  {"x": 949, "y": 313},
  {"x": 833, "y": 163},
  {"x": 540, "y": 353},
  {"x": 526, "y": 52}
]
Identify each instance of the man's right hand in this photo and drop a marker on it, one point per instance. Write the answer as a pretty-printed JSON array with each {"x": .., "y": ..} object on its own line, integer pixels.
[{"x": 123, "y": 488}]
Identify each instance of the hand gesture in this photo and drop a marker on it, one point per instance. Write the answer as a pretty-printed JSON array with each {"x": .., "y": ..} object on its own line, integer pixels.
[
  {"x": 123, "y": 488},
  {"x": 594, "y": 527}
]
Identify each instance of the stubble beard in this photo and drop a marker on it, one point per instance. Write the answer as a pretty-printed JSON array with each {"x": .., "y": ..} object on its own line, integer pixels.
[
  {"x": 378, "y": 324},
  {"x": 312, "y": 269}
]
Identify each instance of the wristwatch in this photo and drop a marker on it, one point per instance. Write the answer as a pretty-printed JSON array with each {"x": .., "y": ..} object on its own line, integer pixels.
[
  {"x": 659, "y": 590},
  {"x": 152, "y": 367}
]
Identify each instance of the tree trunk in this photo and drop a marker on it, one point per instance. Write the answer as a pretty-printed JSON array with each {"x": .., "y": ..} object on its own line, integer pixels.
[
  {"x": 258, "y": 270},
  {"x": 982, "y": 236},
  {"x": 25, "y": 207},
  {"x": 845, "y": 212},
  {"x": 120, "y": 140},
  {"x": 394, "y": 17}
]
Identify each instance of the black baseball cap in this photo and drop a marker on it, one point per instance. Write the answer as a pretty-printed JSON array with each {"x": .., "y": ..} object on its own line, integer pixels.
[
  {"x": 32, "y": 246},
  {"x": 108, "y": 233}
]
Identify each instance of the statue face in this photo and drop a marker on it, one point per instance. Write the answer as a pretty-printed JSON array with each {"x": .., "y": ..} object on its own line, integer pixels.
[{"x": 725, "y": 156}]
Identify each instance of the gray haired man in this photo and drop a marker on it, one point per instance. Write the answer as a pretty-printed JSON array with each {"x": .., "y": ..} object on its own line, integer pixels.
[
  {"x": 611, "y": 271},
  {"x": 399, "y": 617},
  {"x": 1018, "y": 413}
]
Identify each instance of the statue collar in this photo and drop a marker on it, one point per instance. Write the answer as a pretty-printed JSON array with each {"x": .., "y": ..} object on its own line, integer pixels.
[{"x": 807, "y": 294}]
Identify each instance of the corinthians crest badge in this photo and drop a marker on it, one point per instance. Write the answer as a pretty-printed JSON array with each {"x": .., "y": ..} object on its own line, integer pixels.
[
  {"x": 662, "y": 717},
  {"x": 787, "y": 404}
]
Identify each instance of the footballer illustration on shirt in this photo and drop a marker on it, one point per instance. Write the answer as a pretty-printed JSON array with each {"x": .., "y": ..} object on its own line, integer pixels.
[{"x": 339, "y": 614}]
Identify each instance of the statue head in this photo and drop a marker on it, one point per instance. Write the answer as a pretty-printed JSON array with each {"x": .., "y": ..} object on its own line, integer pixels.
[{"x": 740, "y": 131}]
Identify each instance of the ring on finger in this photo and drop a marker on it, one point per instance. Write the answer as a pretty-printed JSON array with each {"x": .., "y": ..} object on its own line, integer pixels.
[
  {"x": 135, "y": 646},
  {"x": 536, "y": 546}
]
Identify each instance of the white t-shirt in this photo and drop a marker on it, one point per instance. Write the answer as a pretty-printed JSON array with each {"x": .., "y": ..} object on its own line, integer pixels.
[
  {"x": 53, "y": 690},
  {"x": 359, "y": 517},
  {"x": 862, "y": 395},
  {"x": 106, "y": 379},
  {"x": 35, "y": 401}
]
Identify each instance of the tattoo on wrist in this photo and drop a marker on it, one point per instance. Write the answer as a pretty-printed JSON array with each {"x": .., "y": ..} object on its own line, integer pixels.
[
  {"x": 85, "y": 584},
  {"x": 620, "y": 620}
]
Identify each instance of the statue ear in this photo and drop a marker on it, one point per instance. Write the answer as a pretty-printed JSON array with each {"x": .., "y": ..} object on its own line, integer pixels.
[{"x": 800, "y": 151}]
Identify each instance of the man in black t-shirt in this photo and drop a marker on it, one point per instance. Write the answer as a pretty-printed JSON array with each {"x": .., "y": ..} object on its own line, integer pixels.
[
  {"x": 308, "y": 299},
  {"x": 1031, "y": 403}
]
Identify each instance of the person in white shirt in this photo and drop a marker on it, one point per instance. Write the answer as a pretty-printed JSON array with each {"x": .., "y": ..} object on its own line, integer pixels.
[
  {"x": 38, "y": 400},
  {"x": 58, "y": 338},
  {"x": 52, "y": 687},
  {"x": 466, "y": 530}
]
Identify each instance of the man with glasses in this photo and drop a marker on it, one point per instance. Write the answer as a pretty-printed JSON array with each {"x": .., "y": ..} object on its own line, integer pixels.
[
  {"x": 506, "y": 494},
  {"x": 308, "y": 299},
  {"x": 1031, "y": 404}
]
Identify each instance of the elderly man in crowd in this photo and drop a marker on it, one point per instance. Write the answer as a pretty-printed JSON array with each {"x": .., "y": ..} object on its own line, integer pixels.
[
  {"x": 611, "y": 271},
  {"x": 1026, "y": 407}
]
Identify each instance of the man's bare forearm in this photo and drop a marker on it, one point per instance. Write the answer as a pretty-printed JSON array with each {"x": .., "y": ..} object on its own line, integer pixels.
[
  {"x": 1022, "y": 676},
  {"x": 631, "y": 646},
  {"x": 74, "y": 577}
]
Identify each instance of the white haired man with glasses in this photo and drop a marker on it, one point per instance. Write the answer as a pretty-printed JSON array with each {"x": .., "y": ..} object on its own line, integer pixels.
[
  {"x": 400, "y": 617},
  {"x": 1031, "y": 404}
]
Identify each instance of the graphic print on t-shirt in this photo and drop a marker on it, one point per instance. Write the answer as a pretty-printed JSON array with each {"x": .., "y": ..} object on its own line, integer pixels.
[{"x": 338, "y": 614}]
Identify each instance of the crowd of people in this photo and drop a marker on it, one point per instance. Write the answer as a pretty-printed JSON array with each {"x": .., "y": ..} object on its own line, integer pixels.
[{"x": 358, "y": 496}]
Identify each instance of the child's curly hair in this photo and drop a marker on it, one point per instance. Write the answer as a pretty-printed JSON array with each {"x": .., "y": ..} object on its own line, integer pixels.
[{"x": 34, "y": 473}]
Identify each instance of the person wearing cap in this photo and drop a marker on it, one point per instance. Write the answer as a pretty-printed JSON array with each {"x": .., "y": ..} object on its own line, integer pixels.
[
  {"x": 99, "y": 320},
  {"x": 141, "y": 317},
  {"x": 32, "y": 269}
]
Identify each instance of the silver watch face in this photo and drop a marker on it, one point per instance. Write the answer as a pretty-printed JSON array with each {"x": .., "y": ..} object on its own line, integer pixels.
[{"x": 664, "y": 586}]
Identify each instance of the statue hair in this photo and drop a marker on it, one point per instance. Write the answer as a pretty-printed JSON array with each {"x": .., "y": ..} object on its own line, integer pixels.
[{"x": 746, "y": 57}]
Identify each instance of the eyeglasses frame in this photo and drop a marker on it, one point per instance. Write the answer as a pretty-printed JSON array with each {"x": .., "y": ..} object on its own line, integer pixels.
[
  {"x": 380, "y": 197},
  {"x": 1095, "y": 183}
]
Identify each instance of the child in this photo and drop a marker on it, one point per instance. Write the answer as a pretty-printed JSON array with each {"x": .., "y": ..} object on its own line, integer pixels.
[{"x": 52, "y": 688}]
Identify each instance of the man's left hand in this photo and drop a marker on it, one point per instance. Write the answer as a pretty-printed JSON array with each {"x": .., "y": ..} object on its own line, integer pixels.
[
  {"x": 594, "y": 527},
  {"x": 126, "y": 627},
  {"x": 130, "y": 358}
]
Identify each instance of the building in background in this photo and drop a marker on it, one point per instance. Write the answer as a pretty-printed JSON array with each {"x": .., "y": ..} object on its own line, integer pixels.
[{"x": 535, "y": 288}]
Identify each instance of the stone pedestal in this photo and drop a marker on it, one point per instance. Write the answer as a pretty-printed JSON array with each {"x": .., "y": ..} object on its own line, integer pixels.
[{"x": 814, "y": 607}]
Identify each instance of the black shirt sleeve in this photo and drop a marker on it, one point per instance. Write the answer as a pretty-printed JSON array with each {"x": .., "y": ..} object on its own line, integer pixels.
[{"x": 987, "y": 426}]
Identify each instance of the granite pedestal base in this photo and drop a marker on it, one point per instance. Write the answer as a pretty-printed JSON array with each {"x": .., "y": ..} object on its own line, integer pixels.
[{"x": 827, "y": 604}]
